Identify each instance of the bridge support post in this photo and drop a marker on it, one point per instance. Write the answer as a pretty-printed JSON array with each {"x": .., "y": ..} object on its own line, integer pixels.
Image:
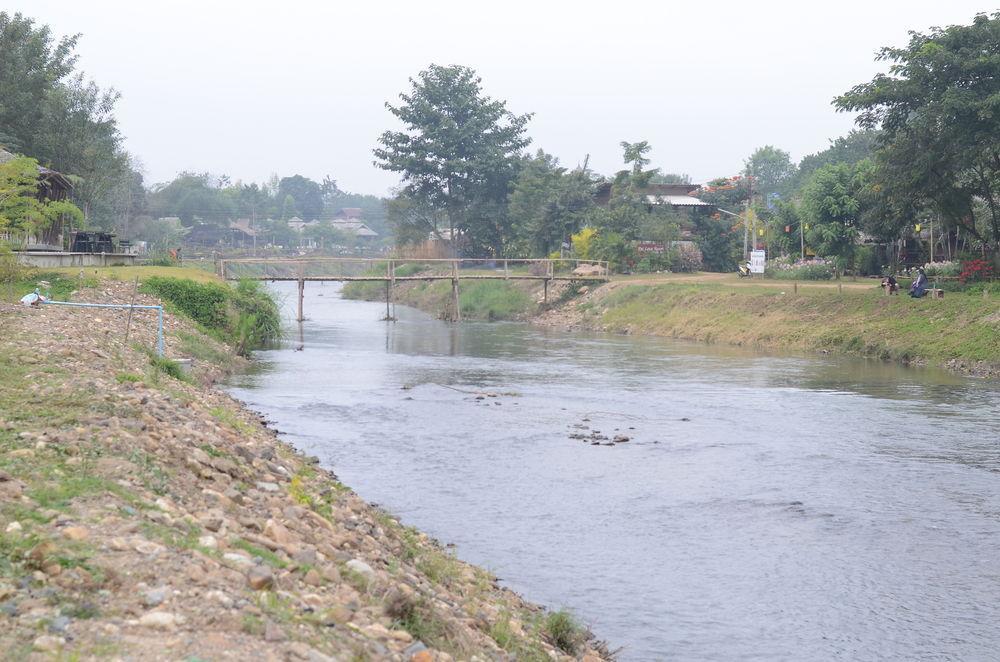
[
  {"x": 545, "y": 291},
  {"x": 456, "y": 311},
  {"x": 302, "y": 290}
]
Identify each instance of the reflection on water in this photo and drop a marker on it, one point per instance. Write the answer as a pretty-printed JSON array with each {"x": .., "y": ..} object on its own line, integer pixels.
[{"x": 765, "y": 507}]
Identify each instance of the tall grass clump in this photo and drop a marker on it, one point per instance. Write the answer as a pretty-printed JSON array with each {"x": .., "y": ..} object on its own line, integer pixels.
[
  {"x": 245, "y": 316},
  {"x": 494, "y": 300},
  {"x": 563, "y": 631}
]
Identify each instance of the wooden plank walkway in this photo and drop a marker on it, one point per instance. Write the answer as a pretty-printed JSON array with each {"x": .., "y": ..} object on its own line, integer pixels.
[{"x": 303, "y": 270}]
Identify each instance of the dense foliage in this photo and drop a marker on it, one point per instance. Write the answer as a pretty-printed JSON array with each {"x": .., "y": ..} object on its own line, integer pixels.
[
  {"x": 64, "y": 121},
  {"x": 245, "y": 316},
  {"x": 21, "y": 212}
]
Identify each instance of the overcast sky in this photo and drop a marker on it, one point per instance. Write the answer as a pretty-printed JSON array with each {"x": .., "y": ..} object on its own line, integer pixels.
[{"x": 249, "y": 89}]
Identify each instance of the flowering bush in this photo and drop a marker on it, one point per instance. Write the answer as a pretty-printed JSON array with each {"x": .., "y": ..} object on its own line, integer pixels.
[
  {"x": 686, "y": 257},
  {"x": 943, "y": 268},
  {"x": 816, "y": 268},
  {"x": 975, "y": 270}
]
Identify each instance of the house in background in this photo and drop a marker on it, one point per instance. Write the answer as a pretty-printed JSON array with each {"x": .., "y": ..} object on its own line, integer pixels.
[
  {"x": 52, "y": 185},
  {"x": 349, "y": 213}
]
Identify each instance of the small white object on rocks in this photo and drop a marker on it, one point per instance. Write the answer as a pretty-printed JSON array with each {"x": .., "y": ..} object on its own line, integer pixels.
[{"x": 160, "y": 620}]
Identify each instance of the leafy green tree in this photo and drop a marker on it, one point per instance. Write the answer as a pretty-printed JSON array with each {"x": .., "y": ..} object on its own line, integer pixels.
[
  {"x": 850, "y": 149},
  {"x": 31, "y": 62},
  {"x": 635, "y": 154},
  {"x": 832, "y": 206},
  {"x": 325, "y": 234},
  {"x": 547, "y": 205},
  {"x": 458, "y": 153},
  {"x": 614, "y": 248},
  {"x": 193, "y": 197},
  {"x": 308, "y": 196},
  {"x": 21, "y": 211},
  {"x": 63, "y": 121},
  {"x": 771, "y": 169},
  {"x": 289, "y": 208},
  {"x": 937, "y": 110}
]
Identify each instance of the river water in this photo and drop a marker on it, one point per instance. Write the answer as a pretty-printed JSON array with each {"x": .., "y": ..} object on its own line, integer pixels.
[{"x": 771, "y": 508}]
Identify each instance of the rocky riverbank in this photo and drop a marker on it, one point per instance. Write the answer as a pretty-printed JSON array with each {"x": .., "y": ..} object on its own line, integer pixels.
[{"x": 145, "y": 514}]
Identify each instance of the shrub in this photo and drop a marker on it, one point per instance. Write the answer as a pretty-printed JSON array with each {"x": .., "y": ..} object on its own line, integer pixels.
[
  {"x": 686, "y": 257},
  {"x": 563, "y": 632},
  {"x": 245, "y": 316},
  {"x": 814, "y": 269},
  {"x": 975, "y": 271},
  {"x": 942, "y": 269},
  {"x": 493, "y": 300},
  {"x": 171, "y": 368}
]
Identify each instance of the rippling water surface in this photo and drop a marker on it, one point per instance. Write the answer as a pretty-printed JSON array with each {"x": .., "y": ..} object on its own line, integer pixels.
[{"x": 765, "y": 508}]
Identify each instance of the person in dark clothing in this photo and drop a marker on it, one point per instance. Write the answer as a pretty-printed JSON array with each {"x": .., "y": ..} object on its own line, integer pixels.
[
  {"x": 890, "y": 285},
  {"x": 919, "y": 286}
]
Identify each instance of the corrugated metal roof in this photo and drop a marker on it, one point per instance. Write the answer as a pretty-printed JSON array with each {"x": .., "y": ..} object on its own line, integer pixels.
[{"x": 676, "y": 200}]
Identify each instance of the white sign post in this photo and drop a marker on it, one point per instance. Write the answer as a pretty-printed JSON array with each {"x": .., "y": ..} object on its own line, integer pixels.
[{"x": 757, "y": 262}]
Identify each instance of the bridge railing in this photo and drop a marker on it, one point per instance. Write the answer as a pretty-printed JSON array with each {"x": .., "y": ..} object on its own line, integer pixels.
[{"x": 402, "y": 269}]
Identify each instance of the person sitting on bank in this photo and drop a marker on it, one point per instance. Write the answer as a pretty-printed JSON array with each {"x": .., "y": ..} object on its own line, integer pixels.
[
  {"x": 919, "y": 286},
  {"x": 890, "y": 285}
]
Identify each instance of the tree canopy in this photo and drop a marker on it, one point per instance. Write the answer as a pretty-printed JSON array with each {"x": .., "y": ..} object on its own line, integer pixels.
[
  {"x": 938, "y": 110},
  {"x": 458, "y": 152}
]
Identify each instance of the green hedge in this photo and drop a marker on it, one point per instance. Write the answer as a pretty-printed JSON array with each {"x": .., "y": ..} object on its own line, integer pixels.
[{"x": 245, "y": 316}]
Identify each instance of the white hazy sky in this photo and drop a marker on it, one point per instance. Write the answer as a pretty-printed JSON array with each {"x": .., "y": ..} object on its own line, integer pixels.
[{"x": 253, "y": 88}]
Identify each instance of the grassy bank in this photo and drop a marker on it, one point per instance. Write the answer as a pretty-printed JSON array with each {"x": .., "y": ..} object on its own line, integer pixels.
[
  {"x": 488, "y": 300},
  {"x": 961, "y": 328}
]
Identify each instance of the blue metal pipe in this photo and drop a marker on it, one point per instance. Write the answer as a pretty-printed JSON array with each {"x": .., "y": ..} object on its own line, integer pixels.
[{"x": 158, "y": 309}]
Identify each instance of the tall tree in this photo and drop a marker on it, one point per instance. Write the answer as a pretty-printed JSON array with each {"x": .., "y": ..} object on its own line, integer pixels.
[
  {"x": 547, "y": 204},
  {"x": 31, "y": 63},
  {"x": 457, "y": 153},
  {"x": 937, "y": 109},
  {"x": 832, "y": 204},
  {"x": 771, "y": 169},
  {"x": 308, "y": 195}
]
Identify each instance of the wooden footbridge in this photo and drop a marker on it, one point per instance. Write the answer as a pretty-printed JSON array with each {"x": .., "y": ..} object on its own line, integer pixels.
[{"x": 397, "y": 270}]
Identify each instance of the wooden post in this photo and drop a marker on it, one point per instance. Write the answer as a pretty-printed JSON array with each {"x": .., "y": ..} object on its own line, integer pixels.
[
  {"x": 545, "y": 291},
  {"x": 457, "y": 307},
  {"x": 302, "y": 289},
  {"x": 388, "y": 284},
  {"x": 506, "y": 274},
  {"x": 840, "y": 287},
  {"x": 795, "y": 287}
]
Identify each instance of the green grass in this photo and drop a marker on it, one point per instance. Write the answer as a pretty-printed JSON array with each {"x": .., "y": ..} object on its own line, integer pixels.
[
  {"x": 488, "y": 300},
  {"x": 563, "y": 631},
  {"x": 265, "y": 555},
  {"x": 494, "y": 300},
  {"x": 62, "y": 285},
  {"x": 168, "y": 367},
  {"x": 245, "y": 317},
  {"x": 229, "y": 418},
  {"x": 857, "y": 321}
]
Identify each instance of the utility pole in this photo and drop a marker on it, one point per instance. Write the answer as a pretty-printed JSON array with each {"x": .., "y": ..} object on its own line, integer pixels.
[
  {"x": 802, "y": 238},
  {"x": 932, "y": 240}
]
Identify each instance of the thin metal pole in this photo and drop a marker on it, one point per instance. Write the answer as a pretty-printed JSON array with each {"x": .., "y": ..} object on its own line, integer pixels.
[
  {"x": 128, "y": 324},
  {"x": 159, "y": 331}
]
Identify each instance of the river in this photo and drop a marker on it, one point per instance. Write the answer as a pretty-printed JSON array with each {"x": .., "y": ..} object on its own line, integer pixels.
[{"x": 765, "y": 507}]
